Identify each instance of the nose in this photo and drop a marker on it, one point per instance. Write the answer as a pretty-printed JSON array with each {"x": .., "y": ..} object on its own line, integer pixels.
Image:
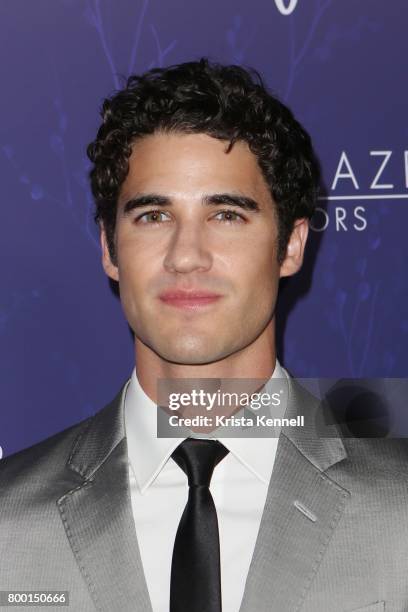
[{"x": 187, "y": 251}]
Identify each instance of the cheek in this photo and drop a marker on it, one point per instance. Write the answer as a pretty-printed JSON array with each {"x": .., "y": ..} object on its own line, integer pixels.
[
  {"x": 260, "y": 268},
  {"x": 138, "y": 252},
  {"x": 262, "y": 286},
  {"x": 133, "y": 256},
  {"x": 134, "y": 275}
]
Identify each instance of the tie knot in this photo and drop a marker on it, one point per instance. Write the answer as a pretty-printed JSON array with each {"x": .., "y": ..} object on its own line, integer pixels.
[{"x": 198, "y": 458}]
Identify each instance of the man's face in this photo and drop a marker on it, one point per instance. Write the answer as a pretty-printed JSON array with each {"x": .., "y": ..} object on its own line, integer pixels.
[{"x": 192, "y": 218}]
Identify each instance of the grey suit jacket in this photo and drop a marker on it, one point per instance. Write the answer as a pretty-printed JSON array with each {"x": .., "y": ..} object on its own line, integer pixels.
[{"x": 333, "y": 535}]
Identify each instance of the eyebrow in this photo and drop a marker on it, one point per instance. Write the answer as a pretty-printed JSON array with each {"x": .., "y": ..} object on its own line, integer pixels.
[{"x": 215, "y": 199}]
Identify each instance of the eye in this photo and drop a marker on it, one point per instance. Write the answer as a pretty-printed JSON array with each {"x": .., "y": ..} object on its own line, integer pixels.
[
  {"x": 230, "y": 216},
  {"x": 151, "y": 217}
]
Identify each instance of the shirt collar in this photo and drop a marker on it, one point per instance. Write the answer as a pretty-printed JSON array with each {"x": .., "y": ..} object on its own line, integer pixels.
[{"x": 148, "y": 454}]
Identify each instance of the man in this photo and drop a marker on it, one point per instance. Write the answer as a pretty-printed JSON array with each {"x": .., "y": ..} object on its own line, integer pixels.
[{"x": 204, "y": 184}]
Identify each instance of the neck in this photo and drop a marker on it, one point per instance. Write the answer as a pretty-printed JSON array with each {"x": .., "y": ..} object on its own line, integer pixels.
[{"x": 257, "y": 360}]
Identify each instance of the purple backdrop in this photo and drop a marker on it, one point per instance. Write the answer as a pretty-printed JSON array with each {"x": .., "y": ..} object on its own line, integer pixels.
[{"x": 339, "y": 64}]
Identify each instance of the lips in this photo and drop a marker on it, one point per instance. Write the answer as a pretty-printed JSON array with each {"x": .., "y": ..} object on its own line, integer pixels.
[
  {"x": 187, "y": 295},
  {"x": 188, "y": 299}
]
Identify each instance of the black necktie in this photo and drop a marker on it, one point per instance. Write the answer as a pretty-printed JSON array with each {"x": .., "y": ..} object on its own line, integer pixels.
[{"x": 195, "y": 569}]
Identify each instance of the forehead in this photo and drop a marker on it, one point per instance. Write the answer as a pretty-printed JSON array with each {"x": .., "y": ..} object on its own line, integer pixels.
[{"x": 198, "y": 162}]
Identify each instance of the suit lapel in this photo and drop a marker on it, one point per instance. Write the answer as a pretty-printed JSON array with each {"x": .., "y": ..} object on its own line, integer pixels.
[
  {"x": 302, "y": 509},
  {"x": 97, "y": 514}
]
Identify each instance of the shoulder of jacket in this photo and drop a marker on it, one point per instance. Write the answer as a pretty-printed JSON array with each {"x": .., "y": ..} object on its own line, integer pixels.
[{"x": 53, "y": 450}]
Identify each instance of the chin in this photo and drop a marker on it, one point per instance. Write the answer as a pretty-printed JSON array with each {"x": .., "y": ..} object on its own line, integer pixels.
[{"x": 190, "y": 353}]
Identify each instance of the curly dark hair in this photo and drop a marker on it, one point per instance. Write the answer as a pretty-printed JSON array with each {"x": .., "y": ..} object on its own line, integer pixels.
[{"x": 226, "y": 102}]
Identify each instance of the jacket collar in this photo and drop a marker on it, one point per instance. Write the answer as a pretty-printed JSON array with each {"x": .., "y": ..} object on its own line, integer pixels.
[
  {"x": 98, "y": 437},
  {"x": 318, "y": 441}
]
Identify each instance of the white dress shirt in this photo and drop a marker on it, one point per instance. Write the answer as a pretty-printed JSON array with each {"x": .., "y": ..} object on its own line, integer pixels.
[{"x": 159, "y": 493}]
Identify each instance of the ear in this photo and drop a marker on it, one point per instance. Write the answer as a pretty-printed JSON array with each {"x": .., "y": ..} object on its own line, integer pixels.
[
  {"x": 295, "y": 248},
  {"x": 110, "y": 269}
]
